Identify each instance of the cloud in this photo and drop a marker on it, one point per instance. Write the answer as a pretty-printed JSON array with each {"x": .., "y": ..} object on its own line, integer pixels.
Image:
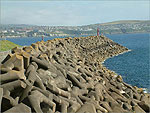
[{"x": 71, "y": 13}]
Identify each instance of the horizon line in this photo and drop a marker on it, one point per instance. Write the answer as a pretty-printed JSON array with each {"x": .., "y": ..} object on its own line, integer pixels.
[{"x": 76, "y": 25}]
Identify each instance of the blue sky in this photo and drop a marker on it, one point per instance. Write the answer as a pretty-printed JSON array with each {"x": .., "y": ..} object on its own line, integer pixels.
[{"x": 55, "y": 13}]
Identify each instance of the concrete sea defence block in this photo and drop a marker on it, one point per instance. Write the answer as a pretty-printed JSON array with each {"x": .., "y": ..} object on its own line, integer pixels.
[
  {"x": 26, "y": 59},
  {"x": 41, "y": 63},
  {"x": 35, "y": 46},
  {"x": 15, "y": 62},
  {"x": 67, "y": 76},
  {"x": 87, "y": 108},
  {"x": 59, "y": 91},
  {"x": 16, "y": 50},
  {"x": 36, "y": 98},
  {"x": 144, "y": 106},
  {"x": 20, "y": 108},
  {"x": 138, "y": 109},
  {"x": 6, "y": 58},
  {"x": 13, "y": 85},
  {"x": 12, "y": 75},
  {"x": 1, "y": 95},
  {"x": 28, "y": 49}
]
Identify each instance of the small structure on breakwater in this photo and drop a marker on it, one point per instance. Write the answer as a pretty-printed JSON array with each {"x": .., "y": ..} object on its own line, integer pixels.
[{"x": 97, "y": 31}]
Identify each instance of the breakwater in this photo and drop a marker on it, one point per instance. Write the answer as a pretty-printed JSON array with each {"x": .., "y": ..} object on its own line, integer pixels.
[{"x": 67, "y": 75}]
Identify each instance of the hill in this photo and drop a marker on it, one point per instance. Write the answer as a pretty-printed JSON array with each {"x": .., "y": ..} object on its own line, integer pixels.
[
  {"x": 6, "y": 45},
  {"x": 116, "y": 27},
  {"x": 124, "y": 26},
  {"x": 125, "y": 21}
]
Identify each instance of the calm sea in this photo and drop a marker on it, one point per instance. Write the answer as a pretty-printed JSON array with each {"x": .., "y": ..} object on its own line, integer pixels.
[{"x": 133, "y": 65}]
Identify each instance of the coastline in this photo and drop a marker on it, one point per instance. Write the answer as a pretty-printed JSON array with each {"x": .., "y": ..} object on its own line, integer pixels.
[
  {"x": 146, "y": 90},
  {"x": 68, "y": 35},
  {"x": 116, "y": 55}
]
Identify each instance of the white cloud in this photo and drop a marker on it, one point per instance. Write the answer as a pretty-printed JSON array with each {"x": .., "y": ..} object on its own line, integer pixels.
[{"x": 72, "y": 13}]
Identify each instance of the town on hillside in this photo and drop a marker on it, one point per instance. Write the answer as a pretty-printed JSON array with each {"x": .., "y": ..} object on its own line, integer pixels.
[{"x": 117, "y": 27}]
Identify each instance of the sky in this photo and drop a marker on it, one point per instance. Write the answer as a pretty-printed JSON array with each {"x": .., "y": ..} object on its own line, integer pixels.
[{"x": 72, "y": 13}]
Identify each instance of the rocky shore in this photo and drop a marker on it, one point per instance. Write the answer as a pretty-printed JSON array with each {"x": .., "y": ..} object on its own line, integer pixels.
[{"x": 67, "y": 76}]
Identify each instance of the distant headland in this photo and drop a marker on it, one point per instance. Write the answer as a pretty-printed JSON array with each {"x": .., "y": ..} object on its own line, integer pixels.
[{"x": 115, "y": 27}]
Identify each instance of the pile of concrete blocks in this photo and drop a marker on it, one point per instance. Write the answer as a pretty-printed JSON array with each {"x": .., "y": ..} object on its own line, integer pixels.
[{"x": 67, "y": 76}]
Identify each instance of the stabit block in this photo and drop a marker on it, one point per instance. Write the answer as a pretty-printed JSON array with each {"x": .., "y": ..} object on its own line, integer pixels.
[
  {"x": 28, "y": 49},
  {"x": 89, "y": 108},
  {"x": 19, "y": 64},
  {"x": 144, "y": 106},
  {"x": 12, "y": 75},
  {"x": 26, "y": 59},
  {"x": 1, "y": 95},
  {"x": 7, "y": 57},
  {"x": 20, "y": 108},
  {"x": 65, "y": 75},
  {"x": 16, "y": 50},
  {"x": 12, "y": 85},
  {"x": 41, "y": 47},
  {"x": 36, "y": 98},
  {"x": 44, "y": 56},
  {"x": 59, "y": 91},
  {"x": 14, "y": 63},
  {"x": 35, "y": 46},
  {"x": 41, "y": 63},
  {"x": 138, "y": 109}
]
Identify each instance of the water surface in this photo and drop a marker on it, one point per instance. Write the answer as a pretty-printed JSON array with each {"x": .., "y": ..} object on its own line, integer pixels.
[{"x": 133, "y": 65}]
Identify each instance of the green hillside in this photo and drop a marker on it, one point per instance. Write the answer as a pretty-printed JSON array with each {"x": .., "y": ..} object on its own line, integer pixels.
[
  {"x": 125, "y": 22},
  {"x": 6, "y": 45}
]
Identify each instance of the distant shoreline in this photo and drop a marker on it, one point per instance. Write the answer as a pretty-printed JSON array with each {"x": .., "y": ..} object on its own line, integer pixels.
[{"x": 78, "y": 35}]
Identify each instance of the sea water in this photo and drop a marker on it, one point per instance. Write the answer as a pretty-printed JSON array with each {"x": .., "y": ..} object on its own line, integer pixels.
[
  {"x": 133, "y": 65},
  {"x": 26, "y": 41}
]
